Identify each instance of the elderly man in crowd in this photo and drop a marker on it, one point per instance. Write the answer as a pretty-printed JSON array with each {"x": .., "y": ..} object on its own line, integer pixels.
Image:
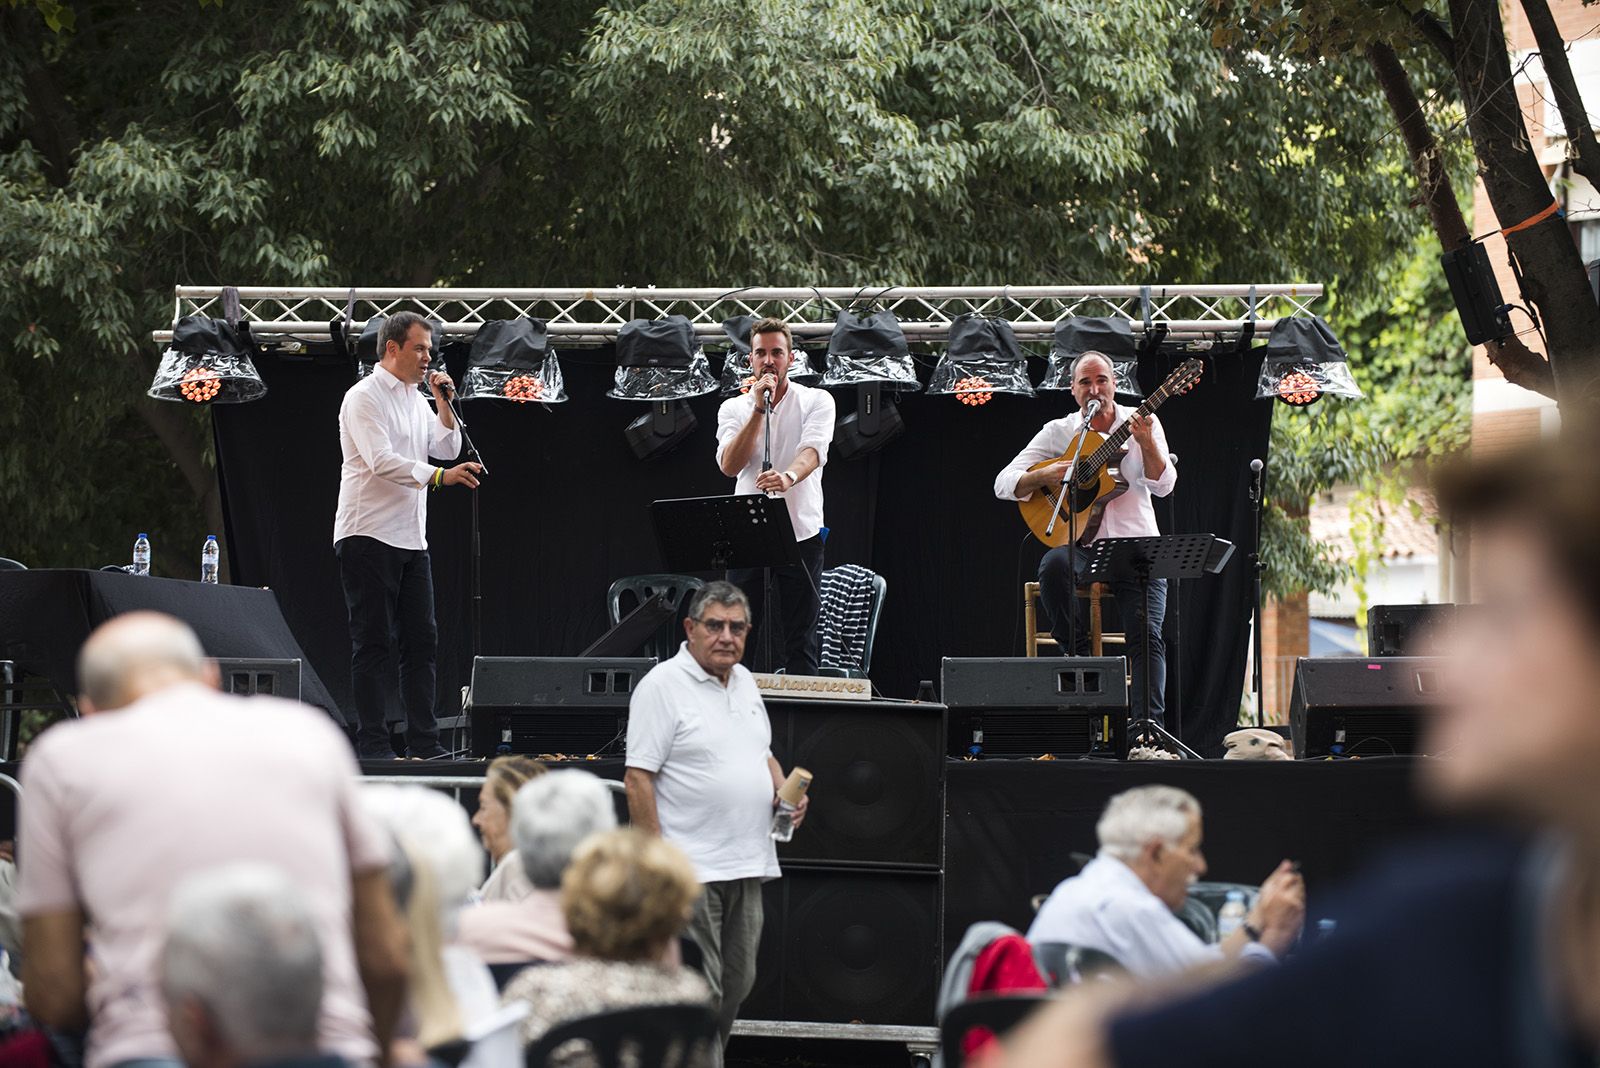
[
  {"x": 241, "y": 971},
  {"x": 550, "y": 816},
  {"x": 1124, "y": 900},
  {"x": 171, "y": 779}
]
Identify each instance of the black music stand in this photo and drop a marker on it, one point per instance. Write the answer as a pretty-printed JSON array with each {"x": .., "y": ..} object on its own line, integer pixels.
[
  {"x": 1172, "y": 556},
  {"x": 742, "y": 531}
]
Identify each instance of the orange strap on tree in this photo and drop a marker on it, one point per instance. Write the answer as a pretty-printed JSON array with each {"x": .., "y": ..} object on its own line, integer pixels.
[{"x": 1534, "y": 220}]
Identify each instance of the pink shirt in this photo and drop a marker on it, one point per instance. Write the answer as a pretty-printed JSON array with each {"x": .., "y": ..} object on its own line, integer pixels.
[
  {"x": 121, "y": 806},
  {"x": 1128, "y": 516},
  {"x": 506, "y": 932}
]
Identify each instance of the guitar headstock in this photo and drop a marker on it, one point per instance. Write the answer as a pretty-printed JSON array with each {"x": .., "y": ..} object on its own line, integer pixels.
[{"x": 1184, "y": 378}]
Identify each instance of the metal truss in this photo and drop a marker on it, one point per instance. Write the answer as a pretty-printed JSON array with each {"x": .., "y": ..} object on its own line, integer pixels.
[{"x": 593, "y": 316}]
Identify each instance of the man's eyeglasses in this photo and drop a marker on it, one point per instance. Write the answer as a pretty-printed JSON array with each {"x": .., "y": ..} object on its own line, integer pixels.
[{"x": 735, "y": 627}]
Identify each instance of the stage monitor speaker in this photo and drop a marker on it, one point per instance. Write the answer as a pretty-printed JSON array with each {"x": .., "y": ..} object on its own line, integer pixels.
[
  {"x": 846, "y": 945},
  {"x": 552, "y": 704},
  {"x": 1484, "y": 314},
  {"x": 879, "y": 780},
  {"x": 1026, "y": 706},
  {"x": 244, "y": 675},
  {"x": 1407, "y": 629},
  {"x": 1353, "y": 706}
]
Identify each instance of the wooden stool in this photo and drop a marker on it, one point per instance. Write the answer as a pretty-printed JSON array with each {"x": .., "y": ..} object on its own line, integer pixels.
[{"x": 1033, "y": 637}]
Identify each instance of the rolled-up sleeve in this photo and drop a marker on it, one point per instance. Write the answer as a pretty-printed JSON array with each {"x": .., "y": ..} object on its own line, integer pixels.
[
  {"x": 1160, "y": 487},
  {"x": 1047, "y": 444},
  {"x": 730, "y": 417},
  {"x": 817, "y": 430},
  {"x": 443, "y": 443}
]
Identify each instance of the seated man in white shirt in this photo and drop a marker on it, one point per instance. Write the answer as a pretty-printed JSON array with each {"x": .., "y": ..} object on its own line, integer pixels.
[{"x": 1124, "y": 900}]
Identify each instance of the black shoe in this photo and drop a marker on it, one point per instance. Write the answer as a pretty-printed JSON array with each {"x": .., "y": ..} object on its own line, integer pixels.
[{"x": 438, "y": 752}]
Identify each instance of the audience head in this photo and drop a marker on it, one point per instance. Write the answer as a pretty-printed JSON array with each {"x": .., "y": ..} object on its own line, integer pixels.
[
  {"x": 135, "y": 655},
  {"x": 627, "y": 895},
  {"x": 241, "y": 971},
  {"x": 501, "y": 782},
  {"x": 432, "y": 829},
  {"x": 1520, "y": 732},
  {"x": 552, "y": 815},
  {"x": 1155, "y": 830}
]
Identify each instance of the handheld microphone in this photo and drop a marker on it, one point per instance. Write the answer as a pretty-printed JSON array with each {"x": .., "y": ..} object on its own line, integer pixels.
[{"x": 766, "y": 398}]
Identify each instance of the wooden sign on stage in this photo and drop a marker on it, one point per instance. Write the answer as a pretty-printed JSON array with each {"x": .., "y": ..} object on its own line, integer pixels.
[{"x": 814, "y": 687}]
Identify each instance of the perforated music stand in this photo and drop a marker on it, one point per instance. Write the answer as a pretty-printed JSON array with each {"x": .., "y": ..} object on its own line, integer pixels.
[
  {"x": 741, "y": 531},
  {"x": 1171, "y": 556}
]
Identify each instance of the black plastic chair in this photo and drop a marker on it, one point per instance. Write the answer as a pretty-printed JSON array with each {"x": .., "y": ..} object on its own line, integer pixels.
[
  {"x": 505, "y": 971},
  {"x": 661, "y": 1036},
  {"x": 691, "y": 954},
  {"x": 1064, "y": 964},
  {"x": 631, "y": 591},
  {"x": 8, "y": 564},
  {"x": 998, "y": 1013}
]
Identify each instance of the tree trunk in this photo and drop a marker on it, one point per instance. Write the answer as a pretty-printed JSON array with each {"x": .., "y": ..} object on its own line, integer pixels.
[
  {"x": 1554, "y": 279},
  {"x": 1520, "y": 364},
  {"x": 1582, "y": 148}
]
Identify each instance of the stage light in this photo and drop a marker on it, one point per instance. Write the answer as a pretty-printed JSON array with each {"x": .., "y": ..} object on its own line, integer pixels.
[
  {"x": 1112, "y": 336},
  {"x": 869, "y": 350},
  {"x": 983, "y": 359},
  {"x": 736, "y": 365},
  {"x": 367, "y": 354},
  {"x": 208, "y": 362},
  {"x": 850, "y": 440},
  {"x": 660, "y": 360},
  {"x": 511, "y": 359},
  {"x": 1304, "y": 363},
  {"x": 661, "y": 429}
]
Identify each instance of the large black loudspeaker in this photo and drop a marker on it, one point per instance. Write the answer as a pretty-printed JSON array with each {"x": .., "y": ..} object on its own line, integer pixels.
[
  {"x": 1484, "y": 313},
  {"x": 1349, "y": 706},
  {"x": 243, "y": 675},
  {"x": 843, "y": 944},
  {"x": 854, "y": 928},
  {"x": 1023, "y": 706},
  {"x": 1407, "y": 629},
  {"x": 552, "y": 704},
  {"x": 879, "y": 771}
]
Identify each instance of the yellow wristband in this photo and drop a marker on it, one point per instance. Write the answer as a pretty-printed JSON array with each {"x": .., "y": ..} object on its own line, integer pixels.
[{"x": 438, "y": 477}]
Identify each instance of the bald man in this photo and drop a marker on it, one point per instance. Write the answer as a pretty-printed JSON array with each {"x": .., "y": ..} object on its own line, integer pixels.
[
  {"x": 165, "y": 777},
  {"x": 1149, "y": 472}
]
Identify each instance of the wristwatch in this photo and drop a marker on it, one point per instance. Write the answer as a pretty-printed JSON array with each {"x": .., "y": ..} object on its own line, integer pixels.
[
  {"x": 793, "y": 478},
  {"x": 1251, "y": 931}
]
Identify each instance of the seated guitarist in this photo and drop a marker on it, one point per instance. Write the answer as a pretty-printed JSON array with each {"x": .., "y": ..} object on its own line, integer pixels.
[{"x": 1148, "y": 471}]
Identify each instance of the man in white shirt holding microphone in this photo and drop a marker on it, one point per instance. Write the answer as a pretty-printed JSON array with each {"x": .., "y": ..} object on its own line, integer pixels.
[
  {"x": 387, "y": 433},
  {"x": 801, "y": 428}
]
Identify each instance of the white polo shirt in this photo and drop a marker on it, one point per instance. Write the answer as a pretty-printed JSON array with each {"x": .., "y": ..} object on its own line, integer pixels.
[
  {"x": 707, "y": 745},
  {"x": 802, "y": 419}
]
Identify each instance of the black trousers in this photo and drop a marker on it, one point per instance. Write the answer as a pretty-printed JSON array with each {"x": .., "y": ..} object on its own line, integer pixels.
[
  {"x": 795, "y": 645},
  {"x": 1058, "y": 591},
  {"x": 389, "y": 595}
]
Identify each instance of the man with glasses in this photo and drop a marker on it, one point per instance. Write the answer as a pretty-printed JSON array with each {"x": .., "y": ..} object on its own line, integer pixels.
[
  {"x": 801, "y": 421},
  {"x": 702, "y": 775}
]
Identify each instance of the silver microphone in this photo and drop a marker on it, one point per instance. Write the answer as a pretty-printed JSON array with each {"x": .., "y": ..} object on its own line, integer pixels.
[
  {"x": 766, "y": 398},
  {"x": 1091, "y": 410},
  {"x": 1256, "y": 466}
]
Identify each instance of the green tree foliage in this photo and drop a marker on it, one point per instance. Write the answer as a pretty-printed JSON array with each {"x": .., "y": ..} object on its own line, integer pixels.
[{"x": 492, "y": 142}]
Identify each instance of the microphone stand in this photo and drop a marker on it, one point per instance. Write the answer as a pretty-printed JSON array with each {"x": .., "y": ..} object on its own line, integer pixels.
[
  {"x": 766, "y": 570},
  {"x": 477, "y": 543},
  {"x": 1068, "y": 482},
  {"x": 1257, "y": 567}
]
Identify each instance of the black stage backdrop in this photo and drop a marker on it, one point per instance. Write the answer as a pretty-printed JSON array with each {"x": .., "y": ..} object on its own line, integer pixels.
[{"x": 563, "y": 513}]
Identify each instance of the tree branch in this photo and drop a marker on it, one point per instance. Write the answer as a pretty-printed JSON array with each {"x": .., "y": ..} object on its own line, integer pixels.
[
  {"x": 1427, "y": 160},
  {"x": 1435, "y": 33},
  {"x": 1521, "y": 366},
  {"x": 1583, "y": 148},
  {"x": 51, "y": 125}
]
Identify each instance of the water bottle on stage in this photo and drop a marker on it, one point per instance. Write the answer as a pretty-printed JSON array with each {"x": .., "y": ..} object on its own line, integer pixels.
[
  {"x": 210, "y": 558},
  {"x": 141, "y": 555}
]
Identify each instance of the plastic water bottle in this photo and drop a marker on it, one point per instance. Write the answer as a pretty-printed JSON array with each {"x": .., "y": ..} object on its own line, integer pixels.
[
  {"x": 210, "y": 557},
  {"x": 1232, "y": 915},
  {"x": 790, "y": 795},
  {"x": 141, "y": 555}
]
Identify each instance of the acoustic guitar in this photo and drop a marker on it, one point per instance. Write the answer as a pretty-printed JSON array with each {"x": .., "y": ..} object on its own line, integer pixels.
[{"x": 1097, "y": 480}]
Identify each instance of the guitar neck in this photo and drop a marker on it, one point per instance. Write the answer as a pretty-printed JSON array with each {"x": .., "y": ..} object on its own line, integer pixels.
[{"x": 1118, "y": 437}]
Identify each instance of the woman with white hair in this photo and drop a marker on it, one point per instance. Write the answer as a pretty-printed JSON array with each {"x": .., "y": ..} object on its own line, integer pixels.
[{"x": 437, "y": 865}]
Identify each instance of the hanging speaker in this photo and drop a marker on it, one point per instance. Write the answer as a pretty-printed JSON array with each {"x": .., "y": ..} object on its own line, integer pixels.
[
  {"x": 845, "y": 945},
  {"x": 878, "y": 770},
  {"x": 1484, "y": 315}
]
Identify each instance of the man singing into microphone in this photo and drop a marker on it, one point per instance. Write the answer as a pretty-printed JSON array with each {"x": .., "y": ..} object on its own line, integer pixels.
[
  {"x": 1148, "y": 471},
  {"x": 387, "y": 433},
  {"x": 801, "y": 427}
]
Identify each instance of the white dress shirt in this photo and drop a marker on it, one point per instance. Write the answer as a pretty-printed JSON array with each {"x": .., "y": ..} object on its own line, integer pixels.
[
  {"x": 1107, "y": 907},
  {"x": 803, "y": 419},
  {"x": 1128, "y": 516},
  {"x": 707, "y": 745},
  {"x": 387, "y": 431}
]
